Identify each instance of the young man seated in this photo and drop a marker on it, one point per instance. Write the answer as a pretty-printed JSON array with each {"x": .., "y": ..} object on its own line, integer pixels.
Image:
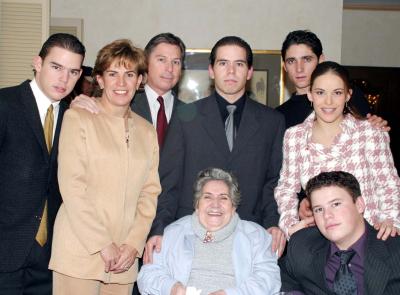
[{"x": 342, "y": 254}]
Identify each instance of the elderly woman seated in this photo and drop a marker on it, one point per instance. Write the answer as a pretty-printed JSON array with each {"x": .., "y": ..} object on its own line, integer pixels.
[{"x": 213, "y": 250}]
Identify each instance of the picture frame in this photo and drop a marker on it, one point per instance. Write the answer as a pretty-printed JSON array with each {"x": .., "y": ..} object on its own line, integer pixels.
[{"x": 266, "y": 86}]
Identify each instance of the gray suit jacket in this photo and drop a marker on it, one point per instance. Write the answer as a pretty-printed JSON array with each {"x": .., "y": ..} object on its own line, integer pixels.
[
  {"x": 303, "y": 268},
  {"x": 196, "y": 140}
]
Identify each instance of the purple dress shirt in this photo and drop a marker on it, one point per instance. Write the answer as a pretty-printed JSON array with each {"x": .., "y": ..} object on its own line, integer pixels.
[{"x": 356, "y": 264}]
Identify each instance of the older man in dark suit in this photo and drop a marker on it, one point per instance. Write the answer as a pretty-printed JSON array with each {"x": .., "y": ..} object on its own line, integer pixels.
[
  {"x": 165, "y": 55},
  {"x": 30, "y": 121},
  {"x": 227, "y": 130},
  {"x": 342, "y": 255}
]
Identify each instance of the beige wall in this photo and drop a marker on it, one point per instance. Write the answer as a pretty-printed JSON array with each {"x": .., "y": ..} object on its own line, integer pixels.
[
  {"x": 371, "y": 38},
  {"x": 200, "y": 23}
]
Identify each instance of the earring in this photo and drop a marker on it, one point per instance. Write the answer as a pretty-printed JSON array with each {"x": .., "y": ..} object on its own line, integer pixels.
[
  {"x": 311, "y": 104},
  {"x": 345, "y": 105}
]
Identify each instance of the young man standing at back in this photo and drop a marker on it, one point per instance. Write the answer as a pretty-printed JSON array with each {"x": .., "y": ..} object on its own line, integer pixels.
[{"x": 301, "y": 53}]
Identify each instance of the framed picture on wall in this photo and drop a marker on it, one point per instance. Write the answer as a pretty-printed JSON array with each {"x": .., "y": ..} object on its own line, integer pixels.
[{"x": 266, "y": 86}]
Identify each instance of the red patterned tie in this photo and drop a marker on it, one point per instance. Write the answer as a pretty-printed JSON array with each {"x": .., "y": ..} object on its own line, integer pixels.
[{"x": 161, "y": 122}]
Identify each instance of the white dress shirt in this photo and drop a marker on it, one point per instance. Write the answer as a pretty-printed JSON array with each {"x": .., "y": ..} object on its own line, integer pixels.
[
  {"x": 43, "y": 103},
  {"x": 155, "y": 105}
]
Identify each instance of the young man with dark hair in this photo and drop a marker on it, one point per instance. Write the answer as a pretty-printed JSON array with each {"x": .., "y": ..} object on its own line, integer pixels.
[
  {"x": 342, "y": 254},
  {"x": 30, "y": 122},
  {"x": 301, "y": 53},
  {"x": 226, "y": 130}
]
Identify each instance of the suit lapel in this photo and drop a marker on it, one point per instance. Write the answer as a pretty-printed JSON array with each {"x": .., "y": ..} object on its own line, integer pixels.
[
  {"x": 140, "y": 106},
  {"x": 212, "y": 123},
  {"x": 319, "y": 263},
  {"x": 249, "y": 125},
  {"x": 63, "y": 106},
  {"x": 376, "y": 272},
  {"x": 31, "y": 113}
]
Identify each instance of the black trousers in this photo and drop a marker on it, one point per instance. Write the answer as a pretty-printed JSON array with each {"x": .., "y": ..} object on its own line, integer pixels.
[{"x": 33, "y": 278}]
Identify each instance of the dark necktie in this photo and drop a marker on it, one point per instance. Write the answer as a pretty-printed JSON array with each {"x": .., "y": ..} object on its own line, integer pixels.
[
  {"x": 345, "y": 282},
  {"x": 162, "y": 122},
  {"x": 41, "y": 235},
  {"x": 230, "y": 126}
]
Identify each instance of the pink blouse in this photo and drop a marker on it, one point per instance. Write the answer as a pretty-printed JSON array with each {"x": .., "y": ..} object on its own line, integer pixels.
[{"x": 359, "y": 149}]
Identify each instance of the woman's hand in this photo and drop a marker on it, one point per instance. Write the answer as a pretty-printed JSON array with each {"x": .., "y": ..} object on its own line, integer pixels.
[
  {"x": 307, "y": 222},
  {"x": 386, "y": 229},
  {"x": 305, "y": 209},
  {"x": 110, "y": 256},
  {"x": 126, "y": 259}
]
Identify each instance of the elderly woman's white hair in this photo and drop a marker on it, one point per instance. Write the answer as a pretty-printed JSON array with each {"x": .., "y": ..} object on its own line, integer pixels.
[{"x": 210, "y": 174}]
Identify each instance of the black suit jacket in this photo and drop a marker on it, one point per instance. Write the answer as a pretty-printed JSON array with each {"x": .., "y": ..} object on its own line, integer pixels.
[
  {"x": 28, "y": 175},
  {"x": 196, "y": 140},
  {"x": 303, "y": 268},
  {"x": 140, "y": 105}
]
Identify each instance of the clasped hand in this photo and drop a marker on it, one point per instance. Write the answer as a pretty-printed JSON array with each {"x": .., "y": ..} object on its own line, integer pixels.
[{"x": 118, "y": 259}]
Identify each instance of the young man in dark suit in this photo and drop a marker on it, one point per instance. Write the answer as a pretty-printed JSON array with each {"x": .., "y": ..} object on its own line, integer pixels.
[
  {"x": 342, "y": 255},
  {"x": 227, "y": 130},
  {"x": 30, "y": 122}
]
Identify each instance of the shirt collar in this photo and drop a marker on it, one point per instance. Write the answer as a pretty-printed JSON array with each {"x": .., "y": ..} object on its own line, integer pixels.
[
  {"x": 43, "y": 102},
  {"x": 347, "y": 125},
  {"x": 223, "y": 102},
  {"x": 152, "y": 96}
]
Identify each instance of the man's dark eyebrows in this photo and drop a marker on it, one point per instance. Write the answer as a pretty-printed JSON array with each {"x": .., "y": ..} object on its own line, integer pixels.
[
  {"x": 56, "y": 64},
  {"x": 61, "y": 66}
]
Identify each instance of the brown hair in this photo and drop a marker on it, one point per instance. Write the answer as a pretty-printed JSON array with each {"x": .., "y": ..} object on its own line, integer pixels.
[
  {"x": 341, "y": 179},
  {"x": 340, "y": 71},
  {"x": 124, "y": 53}
]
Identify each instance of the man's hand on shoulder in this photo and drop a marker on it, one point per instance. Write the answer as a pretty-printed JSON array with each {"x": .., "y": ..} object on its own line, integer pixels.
[
  {"x": 85, "y": 102},
  {"x": 378, "y": 122},
  {"x": 153, "y": 244}
]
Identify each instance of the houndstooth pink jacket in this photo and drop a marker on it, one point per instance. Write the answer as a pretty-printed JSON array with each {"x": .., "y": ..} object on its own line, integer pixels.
[{"x": 359, "y": 149}]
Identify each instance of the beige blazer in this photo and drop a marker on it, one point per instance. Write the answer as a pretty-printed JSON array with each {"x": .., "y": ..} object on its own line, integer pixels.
[{"x": 109, "y": 188}]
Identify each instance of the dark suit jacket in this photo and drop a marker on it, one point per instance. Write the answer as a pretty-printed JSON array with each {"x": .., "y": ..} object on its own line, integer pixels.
[
  {"x": 196, "y": 140},
  {"x": 140, "y": 105},
  {"x": 28, "y": 175},
  {"x": 303, "y": 267}
]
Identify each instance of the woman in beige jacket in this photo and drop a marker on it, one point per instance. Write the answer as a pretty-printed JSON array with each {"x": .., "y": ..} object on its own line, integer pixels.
[{"x": 109, "y": 182}]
